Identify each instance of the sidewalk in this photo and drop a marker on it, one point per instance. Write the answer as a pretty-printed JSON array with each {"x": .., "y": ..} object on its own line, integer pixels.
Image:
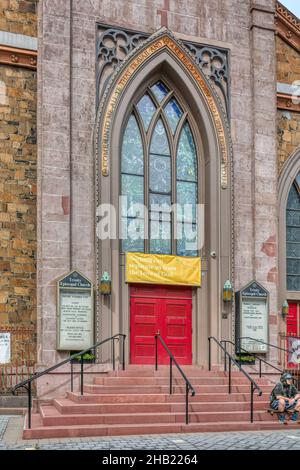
[{"x": 11, "y": 438}]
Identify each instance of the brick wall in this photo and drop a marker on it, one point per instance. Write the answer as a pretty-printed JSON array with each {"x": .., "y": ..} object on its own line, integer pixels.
[
  {"x": 18, "y": 151},
  {"x": 17, "y": 195},
  {"x": 19, "y": 16},
  {"x": 288, "y": 62},
  {"x": 288, "y": 134}
]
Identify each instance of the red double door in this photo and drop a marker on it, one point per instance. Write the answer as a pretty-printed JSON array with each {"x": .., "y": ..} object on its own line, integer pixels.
[{"x": 164, "y": 309}]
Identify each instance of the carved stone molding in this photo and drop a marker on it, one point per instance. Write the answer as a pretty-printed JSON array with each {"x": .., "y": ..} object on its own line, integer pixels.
[
  {"x": 114, "y": 44},
  {"x": 118, "y": 82},
  {"x": 287, "y": 26},
  {"x": 18, "y": 57},
  {"x": 285, "y": 102}
]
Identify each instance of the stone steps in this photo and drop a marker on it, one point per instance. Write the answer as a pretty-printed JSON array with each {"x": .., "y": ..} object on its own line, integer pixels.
[
  {"x": 137, "y": 401},
  {"x": 42, "y": 432},
  {"x": 66, "y": 406},
  {"x": 126, "y": 389}
]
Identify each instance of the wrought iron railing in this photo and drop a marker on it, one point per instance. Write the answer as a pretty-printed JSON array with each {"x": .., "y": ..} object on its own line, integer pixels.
[
  {"x": 253, "y": 384},
  {"x": 188, "y": 385},
  {"x": 27, "y": 384},
  {"x": 21, "y": 355}
]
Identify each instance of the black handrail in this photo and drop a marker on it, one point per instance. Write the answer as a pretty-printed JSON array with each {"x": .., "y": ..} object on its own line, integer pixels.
[
  {"x": 27, "y": 383},
  {"x": 188, "y": 385},
  {"x": 253, "y": 384},
  {"x": 264, "y": 342},
  {"x": 225, "y": 341}
]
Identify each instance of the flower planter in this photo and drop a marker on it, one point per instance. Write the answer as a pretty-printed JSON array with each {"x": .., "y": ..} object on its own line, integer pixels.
[{"x": 249, "y": 362}]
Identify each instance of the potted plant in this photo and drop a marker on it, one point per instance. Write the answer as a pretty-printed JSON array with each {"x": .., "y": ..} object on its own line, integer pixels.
[
  {"x": 87, "y": 358},
  {"x": 246, "y": 359}
]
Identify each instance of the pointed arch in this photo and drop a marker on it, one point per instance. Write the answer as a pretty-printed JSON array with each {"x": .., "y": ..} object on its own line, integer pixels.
[
  {"x": 160, "y": 43},
  {"x": 288, "y": 174},
  {"x": 163, "y": 57}
]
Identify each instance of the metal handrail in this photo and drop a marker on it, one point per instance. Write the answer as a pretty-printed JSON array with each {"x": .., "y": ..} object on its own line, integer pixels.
[
  {"x": 225, "y": 341},
  {"x": 188, "y": 385},
  {"x": 253, "y": 384},
  {"x": 27, "y": 383}
]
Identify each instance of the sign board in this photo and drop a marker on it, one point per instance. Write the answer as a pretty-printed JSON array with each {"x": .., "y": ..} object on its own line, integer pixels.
[
  {"x": 75, "y": 312},
  {"x": 5, "y": 349},
  {"x": 163, "y": 269},
  {"x": 294, "y": 348},
  {"x": 252, "y": 317}
]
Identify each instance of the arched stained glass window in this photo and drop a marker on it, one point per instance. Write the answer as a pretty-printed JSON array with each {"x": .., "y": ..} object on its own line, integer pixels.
[
  {"x": 159, "y": 168},
  {"x": 293, "y": 237}
]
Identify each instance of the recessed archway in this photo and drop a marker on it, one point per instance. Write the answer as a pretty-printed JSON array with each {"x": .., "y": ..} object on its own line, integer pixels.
[{"x": 163, "y": 55}]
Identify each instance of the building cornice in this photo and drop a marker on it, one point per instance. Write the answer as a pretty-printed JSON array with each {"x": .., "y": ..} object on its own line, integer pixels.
[
  {"x": 287, "y": 26},
  {"x": 18, "y": 57},
  {"x": 285, "y": 101}
]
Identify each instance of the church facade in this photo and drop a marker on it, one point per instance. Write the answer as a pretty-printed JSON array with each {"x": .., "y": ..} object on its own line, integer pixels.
[{"x": 159, "y": 103}]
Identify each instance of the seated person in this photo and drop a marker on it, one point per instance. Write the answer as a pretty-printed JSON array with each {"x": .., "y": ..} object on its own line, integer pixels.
[{"x": 284, "y": 397}]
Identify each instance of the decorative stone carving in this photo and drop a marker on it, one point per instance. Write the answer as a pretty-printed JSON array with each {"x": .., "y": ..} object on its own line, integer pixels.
[
  {"x": 214, "y": 63},
  {"x": 114, "y": 44}
]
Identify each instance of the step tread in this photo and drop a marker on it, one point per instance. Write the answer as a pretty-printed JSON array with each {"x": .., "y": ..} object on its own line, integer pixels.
[
  {"x": 152, "y": 425},
  {"x": 49, "y": 410}
]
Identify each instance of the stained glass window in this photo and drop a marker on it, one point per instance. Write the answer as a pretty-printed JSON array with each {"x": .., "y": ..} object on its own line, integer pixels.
[
  {"x": 173, "y": 113},
  {"x": 132, "y": 188},
  {"x": 160, "y": 91},
  {"x": 146, "y": 109},
  {"x": 186, "y": 189},
  {"x": 151, "y": 160},
  {"x": 293, "y": 237}
]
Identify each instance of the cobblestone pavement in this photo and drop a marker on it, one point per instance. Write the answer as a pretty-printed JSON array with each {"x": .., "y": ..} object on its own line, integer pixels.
[{"x": 11, "y": 438}]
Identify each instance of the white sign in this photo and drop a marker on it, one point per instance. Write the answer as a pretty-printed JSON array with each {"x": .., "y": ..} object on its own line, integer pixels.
[
  {"x": 76, "y": 320},
  {"x": 294, "y": 348},
  {"x": 4, "y": 348},
  {"x": 254, "y": 324}
]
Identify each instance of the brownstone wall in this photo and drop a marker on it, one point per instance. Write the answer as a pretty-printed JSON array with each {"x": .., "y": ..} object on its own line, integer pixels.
[
  {"x": 18, "y": 16},
  {"x": 288, "y": 134},
  {"x": 288, "y": 122},
  {"x": 288, "y": 62},
  {"x": 17, "y": 195},
  {"x": 18, "y": 175}
]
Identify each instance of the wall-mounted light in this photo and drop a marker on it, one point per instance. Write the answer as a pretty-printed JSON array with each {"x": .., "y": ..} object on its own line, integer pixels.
[
  {"x": 227, "y": 291},
  {"x": 284, "y": 309},
  {"x": 105, "y": 284}
]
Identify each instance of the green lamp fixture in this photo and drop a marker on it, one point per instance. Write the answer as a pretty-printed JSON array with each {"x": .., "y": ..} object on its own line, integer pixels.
[
  {"x": 227, "y": 291},
  {"x": 285, "y": 309},
  {"x": 105, "y": 284}
]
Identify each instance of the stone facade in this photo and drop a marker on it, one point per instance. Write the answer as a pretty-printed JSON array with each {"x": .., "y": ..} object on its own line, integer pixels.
[
  {"x": 18, "y": 195},
  {"x": 288, "y": 62},
  {"x": 19, "y": 16},
  {"x": 288, "y": 134},
  {"x": 18, "y": 182},
  {"x": 66, "y": 96},
  {"x": 288, "y": 120}
]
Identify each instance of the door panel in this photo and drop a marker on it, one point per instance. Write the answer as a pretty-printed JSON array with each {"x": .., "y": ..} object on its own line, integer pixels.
[{"x": 163, "y": 309}]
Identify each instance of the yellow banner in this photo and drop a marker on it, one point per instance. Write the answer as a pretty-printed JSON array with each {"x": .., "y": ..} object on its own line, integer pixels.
[{"x": 163, "y": 269}]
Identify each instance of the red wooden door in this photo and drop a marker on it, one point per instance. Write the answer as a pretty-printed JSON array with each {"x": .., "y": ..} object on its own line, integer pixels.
[{"x": 164, "y": 309}]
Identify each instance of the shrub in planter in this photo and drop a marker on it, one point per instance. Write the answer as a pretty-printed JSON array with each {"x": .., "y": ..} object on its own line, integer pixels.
[
  {"x": 245, "y": 359},
  {"x": 87, "y": 357}
]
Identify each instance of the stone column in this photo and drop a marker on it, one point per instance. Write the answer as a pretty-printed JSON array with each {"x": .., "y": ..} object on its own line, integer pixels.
[
  {"x": 264, "y": 163},
  {"x": 53, "y": 259}
]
